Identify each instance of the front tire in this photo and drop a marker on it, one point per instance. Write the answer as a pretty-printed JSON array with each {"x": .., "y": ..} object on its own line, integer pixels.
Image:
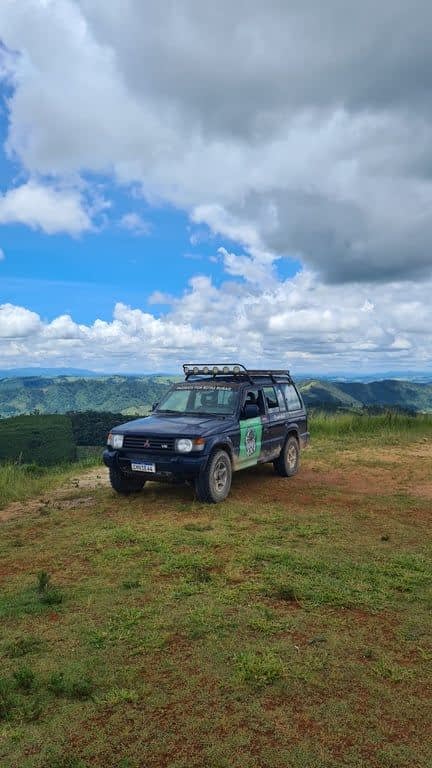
[
  {"x": 124, "y": 484},
  {"x": 214, "y": 483},
  {"x": 287, "y": 464}
]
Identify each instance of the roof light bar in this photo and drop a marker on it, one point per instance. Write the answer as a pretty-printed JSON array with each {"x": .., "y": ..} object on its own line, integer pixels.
[
  {"x": 235, "y": 369},
  {"x": 206, "y": 370}
]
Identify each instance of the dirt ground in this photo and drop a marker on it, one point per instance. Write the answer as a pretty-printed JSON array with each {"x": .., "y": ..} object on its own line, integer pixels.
[{"x": 362, "y": 472}]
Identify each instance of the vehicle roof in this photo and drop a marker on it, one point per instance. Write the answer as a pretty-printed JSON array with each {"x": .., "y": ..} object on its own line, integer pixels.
[
  {"x": 234, "y": 372},
  {"x": 236, "y": 380},
  {"x": 199, "y": 381}
]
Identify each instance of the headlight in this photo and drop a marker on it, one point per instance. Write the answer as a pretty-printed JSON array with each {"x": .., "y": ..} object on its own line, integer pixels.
[
  {"x": 115, "y": 441},
  {"x": 186, "y": 445}
]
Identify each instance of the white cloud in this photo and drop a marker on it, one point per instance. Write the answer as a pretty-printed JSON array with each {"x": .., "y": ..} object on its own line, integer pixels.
[
  {"x": 297, "y": 322},
  {"x": 303, "y": 147},
  {"x": 18, "y": 323},
  {"x": 51, "y": 209},
  {"x": 135, "y": 224}
]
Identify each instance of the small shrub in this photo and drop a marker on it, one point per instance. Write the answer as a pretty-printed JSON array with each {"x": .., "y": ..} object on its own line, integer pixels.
[
  {"x": 47, "y": 594},
  {"x": 200, "y": 573},
  {"x": 52, "y": 596},
  {"x": 24, "y": 679},
  {"x": 30, "y": 710},
  {"x": 393, "y": 672},
  {"x": 98, "y": 639},
  {"x": 57, "y": 684},
  {"x": 7, "y": 700},
  {"x": 133, "y": 584},
  {"x": 43, "y": 580},
  {"x": 119, "y": 696},
  {"x": 80, "y": 689},
  {"x": 197, "y": 527},
  {"x": 258, "y": 668},
  {"x": 22, "y": 646},
  {"x": 71, "y": 688},
  {"x": 285, "y": 592}
]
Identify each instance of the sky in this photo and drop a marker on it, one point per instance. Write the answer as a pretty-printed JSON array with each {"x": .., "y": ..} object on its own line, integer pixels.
[{"x": 216, "y": 182}]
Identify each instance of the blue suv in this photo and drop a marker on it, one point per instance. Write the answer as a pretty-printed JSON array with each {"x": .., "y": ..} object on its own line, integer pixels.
[{"x": 222, "y": 418}]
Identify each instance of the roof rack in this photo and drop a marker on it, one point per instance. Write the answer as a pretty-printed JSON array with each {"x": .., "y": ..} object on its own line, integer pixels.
[{"x": 233, "y": 369}]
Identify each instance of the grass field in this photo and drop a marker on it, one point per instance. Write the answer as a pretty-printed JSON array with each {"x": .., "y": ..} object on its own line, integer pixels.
[
  {"x": 288, "y": 627},
  {"x": 21, "y": 481}
]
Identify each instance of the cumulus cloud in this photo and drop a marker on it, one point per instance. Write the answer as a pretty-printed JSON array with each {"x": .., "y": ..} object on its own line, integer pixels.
[
  {"x": 18, "y": 322},
  {"x": 290, "y": 130},
  {"x": 48, "y": 208},
  {"x": 298, "y": 322},
  {"x": 296, "y": 129}
]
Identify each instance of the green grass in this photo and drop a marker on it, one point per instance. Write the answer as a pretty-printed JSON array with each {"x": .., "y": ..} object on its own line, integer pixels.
[
  {"x": 390, "y": 425},
  {"x": 21, "y": 481},
  {"x": 288, "y": 627}
]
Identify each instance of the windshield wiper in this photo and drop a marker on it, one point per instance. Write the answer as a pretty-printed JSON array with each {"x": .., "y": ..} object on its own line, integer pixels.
[{"x": 206, "y": 414}]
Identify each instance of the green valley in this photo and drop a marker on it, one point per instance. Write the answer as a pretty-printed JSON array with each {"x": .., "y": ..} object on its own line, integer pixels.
[{"x": 130, "y": 395}]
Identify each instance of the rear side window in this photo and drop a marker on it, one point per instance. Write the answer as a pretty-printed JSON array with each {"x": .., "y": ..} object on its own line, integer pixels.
[
  {"x": 281, "y": 399},
  {"x": 270, "y": 398},
  {"x": 292, "y": 398}
]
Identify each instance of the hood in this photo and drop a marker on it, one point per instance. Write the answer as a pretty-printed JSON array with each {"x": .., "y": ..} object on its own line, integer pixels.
[{"x": 184, "y": 426}]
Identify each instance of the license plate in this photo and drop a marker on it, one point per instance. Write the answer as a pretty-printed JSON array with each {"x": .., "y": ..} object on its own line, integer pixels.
[{"x": 142, "y": 466}]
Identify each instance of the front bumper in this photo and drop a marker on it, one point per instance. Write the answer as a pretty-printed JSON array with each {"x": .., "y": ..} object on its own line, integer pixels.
[{"x": 172, "y": 467}]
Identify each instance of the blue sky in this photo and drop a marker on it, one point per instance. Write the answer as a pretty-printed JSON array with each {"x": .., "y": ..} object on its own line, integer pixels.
[
  {"x": 161, "y": 201},
  {"x": 86, "y": 275}
]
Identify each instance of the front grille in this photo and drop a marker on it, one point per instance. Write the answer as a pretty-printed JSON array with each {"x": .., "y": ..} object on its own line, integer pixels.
[{"x": 145, "y": 444}]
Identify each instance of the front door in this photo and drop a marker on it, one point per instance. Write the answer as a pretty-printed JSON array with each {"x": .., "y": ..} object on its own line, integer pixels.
[{"x": 251, "y": 430}]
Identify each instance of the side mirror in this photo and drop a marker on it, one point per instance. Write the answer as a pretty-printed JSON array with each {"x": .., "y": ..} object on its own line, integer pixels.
[
  {"x": 154, "y": 406},
  {"x": 250, "y": 411}
]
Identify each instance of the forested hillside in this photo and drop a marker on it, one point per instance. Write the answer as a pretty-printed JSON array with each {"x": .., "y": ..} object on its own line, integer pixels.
[
  {"x": 135, "y": 394},
  {"x": 354, "y": 395},
  {"x": 61, "y": 394}
]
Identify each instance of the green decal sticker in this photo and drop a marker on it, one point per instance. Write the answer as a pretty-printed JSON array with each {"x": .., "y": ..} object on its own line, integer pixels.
[{"x": 250, "y": 441}]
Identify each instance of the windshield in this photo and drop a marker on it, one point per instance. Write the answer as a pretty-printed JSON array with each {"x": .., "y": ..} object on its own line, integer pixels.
[{"x": 200, "y": 399}]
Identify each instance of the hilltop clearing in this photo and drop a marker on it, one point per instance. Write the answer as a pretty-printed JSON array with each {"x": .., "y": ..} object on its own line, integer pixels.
[{"x": 287, "y": 627}]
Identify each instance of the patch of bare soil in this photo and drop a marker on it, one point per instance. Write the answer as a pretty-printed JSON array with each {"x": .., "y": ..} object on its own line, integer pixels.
[
  {"x": 397, "y": 471},
  {"x": 66, "y": 497}
]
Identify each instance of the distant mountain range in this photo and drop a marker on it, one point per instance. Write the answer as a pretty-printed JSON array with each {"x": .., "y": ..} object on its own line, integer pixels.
[
  {"x": 14, "y": 373},
  {"x": 136, "y": 394},
  {"x": 335, "y": 376}
]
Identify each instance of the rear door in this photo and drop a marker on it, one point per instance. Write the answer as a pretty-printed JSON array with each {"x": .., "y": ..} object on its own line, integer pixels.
[
  {"x": 296, "y": 410},
  {"x": 275, "y": 427}
]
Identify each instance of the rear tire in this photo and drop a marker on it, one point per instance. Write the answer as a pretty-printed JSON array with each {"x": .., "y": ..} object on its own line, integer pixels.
[
  {"x": 214, "y": 483},
  {"x": 125, "y": 484},
  {"x": 287, "y": 464}
]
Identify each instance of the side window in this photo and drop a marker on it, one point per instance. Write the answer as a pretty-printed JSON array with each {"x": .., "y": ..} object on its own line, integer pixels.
[
  {"x": 292, "y": 398},
  {"x": 271, "y": 399},
  {"x": 281, "y": 399},
  {"x": 255, "y": 397}
]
